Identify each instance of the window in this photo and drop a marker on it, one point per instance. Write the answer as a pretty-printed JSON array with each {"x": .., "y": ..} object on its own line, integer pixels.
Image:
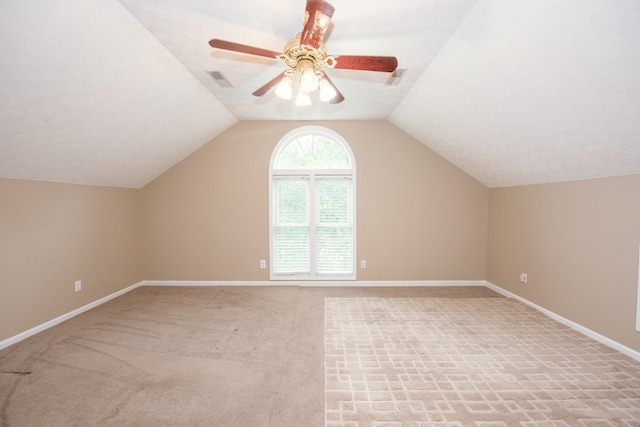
[{"x": 312, "y": 206}]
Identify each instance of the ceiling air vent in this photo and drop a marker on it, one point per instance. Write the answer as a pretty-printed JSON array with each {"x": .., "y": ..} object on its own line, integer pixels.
[
  {"x": 397, "y": 75},
  {"x": 220, "y": 78}
]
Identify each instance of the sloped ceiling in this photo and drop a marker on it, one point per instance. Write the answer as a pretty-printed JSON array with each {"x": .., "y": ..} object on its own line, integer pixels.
[
  {"x": 89, "y": 96},
  {"x": 534, "y": 91},
  {"x": 513, "y": 92}
]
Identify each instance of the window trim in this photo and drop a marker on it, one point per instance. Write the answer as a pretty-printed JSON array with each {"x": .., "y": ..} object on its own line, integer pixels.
[{"x": 312, "y": 174}]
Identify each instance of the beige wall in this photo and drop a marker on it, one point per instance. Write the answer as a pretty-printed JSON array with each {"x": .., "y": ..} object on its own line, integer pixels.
[
  {"x": 419, "y": 217},
  {"x": 578, "y": 243},
  {"x": 54, "y": 234}
]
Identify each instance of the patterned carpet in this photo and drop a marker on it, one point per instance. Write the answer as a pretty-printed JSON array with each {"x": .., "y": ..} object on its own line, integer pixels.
[{"x": 468, "y": 362}]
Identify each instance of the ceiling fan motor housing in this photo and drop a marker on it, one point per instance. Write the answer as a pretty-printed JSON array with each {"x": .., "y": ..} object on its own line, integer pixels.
[{"x": 294, "y": 52}]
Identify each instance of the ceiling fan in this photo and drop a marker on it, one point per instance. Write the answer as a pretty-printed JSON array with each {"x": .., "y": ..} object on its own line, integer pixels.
[{"x": 306, "y": 55}]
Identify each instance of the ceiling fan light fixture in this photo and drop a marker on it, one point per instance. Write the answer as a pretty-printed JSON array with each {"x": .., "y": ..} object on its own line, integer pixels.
[
  {"x": 303, "y": 99},
  {"x": 285, "y": 87},
  {"x": 308, "y": 76},
  {"x": 327, "y": 92}
]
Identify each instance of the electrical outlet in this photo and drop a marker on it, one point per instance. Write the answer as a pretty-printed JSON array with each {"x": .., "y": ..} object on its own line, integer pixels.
[
  {"x": 523, "y": 278},
  {"x": 363, "y": 263},
  {"x": 263, "y": 263},
  {"x": 78, "y": 285}
]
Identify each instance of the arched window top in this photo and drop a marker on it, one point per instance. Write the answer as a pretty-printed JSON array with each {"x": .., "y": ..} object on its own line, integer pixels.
[{"x": 312, "y": 147}]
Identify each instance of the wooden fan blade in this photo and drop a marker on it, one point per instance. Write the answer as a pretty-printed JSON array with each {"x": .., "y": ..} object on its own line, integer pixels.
[
  {"x": 269, "y": 86},
  {"x": 339, "y": 97},
  {"x": 317, "y": 17},
  {"x": 367, "y": 63},
  {"x": 237, "y": 47}
]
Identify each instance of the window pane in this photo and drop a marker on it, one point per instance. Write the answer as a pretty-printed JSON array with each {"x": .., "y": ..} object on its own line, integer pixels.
[
  {"x": 313, "y": 152},
  {"x": 312, "y": 204},
  {"x": 334, "y": 250},
  {"x": 291, "y": 249},
  {"x": 334, "y": 197},
  {"x": 291, "y": 201}
]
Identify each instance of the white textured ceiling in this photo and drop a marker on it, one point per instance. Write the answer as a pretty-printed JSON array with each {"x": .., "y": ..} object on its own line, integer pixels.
[
  {"x": 513, "y": 92},
  {"x": 88, "y": 96},
  {"x": 534, "y": 91}
]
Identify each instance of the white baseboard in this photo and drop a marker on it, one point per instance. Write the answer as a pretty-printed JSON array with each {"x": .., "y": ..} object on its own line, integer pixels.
[
  {"x": 321, "y": 283},
  {"x": 26, "y": 334},
  {"x": 573, "y": 325},
  {"x": 391, "y": 283}
]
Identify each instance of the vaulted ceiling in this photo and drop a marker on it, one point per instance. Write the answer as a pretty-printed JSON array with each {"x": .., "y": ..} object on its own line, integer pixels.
[{"x": 513, "y": 92}]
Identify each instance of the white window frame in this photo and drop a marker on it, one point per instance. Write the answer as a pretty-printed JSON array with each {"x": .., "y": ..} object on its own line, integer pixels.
[{"x": 312, "y": 175}]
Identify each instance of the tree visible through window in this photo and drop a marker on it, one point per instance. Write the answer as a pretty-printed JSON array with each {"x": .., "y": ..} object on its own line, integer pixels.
[{"x": 312, "y": 203}]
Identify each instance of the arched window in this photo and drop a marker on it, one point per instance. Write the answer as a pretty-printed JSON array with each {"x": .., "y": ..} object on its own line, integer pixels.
[{"x": 312, "y": 206}]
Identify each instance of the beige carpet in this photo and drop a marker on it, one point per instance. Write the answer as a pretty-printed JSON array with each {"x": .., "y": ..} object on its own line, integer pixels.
[
  {"x": 468, "y": 362},
  {"x": 253, "y": 356}
]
